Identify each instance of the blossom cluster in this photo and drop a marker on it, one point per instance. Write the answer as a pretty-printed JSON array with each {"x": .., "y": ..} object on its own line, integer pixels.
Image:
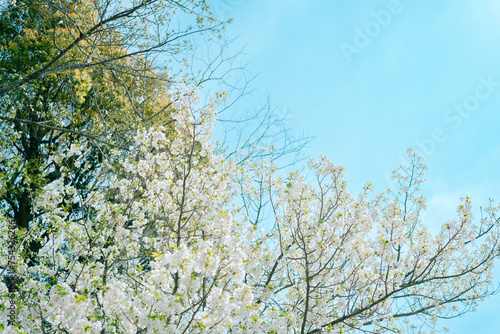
[{"x": 175, "y": 237}]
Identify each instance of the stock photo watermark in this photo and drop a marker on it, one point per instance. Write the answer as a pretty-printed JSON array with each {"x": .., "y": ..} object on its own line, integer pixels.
[
  {"x": 454, "y": 117},
  {"x": 224, "y": 8},
  {"x": 364, "y": 34},
  {"x": 12, "y": 278}
]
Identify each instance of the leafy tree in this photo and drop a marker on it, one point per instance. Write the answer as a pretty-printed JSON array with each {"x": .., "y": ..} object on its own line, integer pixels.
[{"x": 95, "y": 34}]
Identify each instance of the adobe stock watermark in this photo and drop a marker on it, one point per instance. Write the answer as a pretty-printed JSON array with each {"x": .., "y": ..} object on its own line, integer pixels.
[
  {"x": 454, "y": 117},
  {"x": 223, "y": 8},
  {"x": 364, "y": 35},
  {"x": 12, "y": 278}
]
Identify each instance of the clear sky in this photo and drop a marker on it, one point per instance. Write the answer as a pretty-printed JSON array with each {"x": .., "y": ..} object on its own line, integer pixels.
[{"x": 370, "y": 78}]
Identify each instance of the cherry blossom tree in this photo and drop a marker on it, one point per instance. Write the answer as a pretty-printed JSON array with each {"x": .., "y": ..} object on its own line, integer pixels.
[{"x": 174, "y": 236}]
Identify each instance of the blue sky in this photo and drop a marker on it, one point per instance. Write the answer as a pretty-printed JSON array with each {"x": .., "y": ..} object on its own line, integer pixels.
[{"x": 370, "y": 78}]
